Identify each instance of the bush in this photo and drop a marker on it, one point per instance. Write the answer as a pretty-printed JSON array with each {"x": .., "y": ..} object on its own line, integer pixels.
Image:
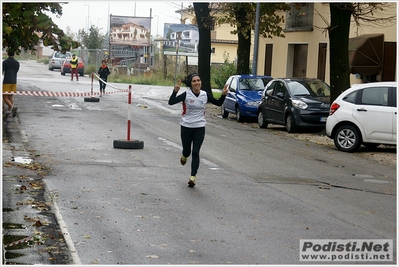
[
  {"x": 220, "y": 73},
  {"x": 90, "y": 68},
  {"x": 44, "y": 60}
]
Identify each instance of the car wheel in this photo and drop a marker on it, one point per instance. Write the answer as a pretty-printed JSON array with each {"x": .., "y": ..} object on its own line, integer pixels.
[
  {"x": 347, "y": 138},
  {"x": 239, "y": 116},
  {"x": 63, "y": 73},
  {"x": 261, "y": 120},
  {"x": 225, "y": 114},
  {"x": 81, "y": 74},
  {"x": 290, "y": 124}
]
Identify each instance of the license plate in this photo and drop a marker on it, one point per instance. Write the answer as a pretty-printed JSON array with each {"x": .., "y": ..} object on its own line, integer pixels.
[{"x": 323, "y": 119}]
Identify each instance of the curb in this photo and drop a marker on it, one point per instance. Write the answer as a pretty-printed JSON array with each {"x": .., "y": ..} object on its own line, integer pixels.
[{"x": 31, "y": 220}]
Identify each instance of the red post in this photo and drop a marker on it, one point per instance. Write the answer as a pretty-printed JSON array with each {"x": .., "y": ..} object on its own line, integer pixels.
[{"x": 129, "y": 101}]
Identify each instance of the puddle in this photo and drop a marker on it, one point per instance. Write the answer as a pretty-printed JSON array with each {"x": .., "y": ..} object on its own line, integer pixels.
[
  {"x": 74, "y": 107},
  {"x": 360, "y": 175},
  {"x": 23, "y": 160},
  {"x": 14, "y": 226},
  {"x": 375, "y": 181},
  {"x": 14, "y": 242},
  {"x": 57, "y": 106}
]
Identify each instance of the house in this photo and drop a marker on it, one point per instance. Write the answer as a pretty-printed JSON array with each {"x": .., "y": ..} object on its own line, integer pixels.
[
  {"x": 304, "y": 52},
  {"x": 223, "y": 43},
  {"x": 129, "y": 34}
]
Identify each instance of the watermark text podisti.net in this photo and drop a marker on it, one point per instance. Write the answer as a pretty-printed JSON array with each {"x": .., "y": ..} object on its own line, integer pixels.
[{"x": 346, "y": 250}]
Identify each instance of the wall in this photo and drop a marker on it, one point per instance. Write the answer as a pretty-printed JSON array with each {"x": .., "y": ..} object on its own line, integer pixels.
[{"x": 281, "y": 46}]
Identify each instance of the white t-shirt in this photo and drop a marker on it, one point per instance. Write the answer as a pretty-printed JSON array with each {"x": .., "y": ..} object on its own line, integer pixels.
[{"x": 193, "y": 115}]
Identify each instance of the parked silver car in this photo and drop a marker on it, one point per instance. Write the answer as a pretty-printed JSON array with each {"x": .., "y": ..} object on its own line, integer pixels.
[{"x": 56, "y": 60}]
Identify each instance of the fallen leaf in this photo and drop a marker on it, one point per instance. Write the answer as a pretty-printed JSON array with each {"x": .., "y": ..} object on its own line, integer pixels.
[{"x": 38, "y": 224}]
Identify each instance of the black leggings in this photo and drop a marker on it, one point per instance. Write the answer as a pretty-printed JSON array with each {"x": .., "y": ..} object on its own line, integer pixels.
[
  {"x": 102, "y": 84},
  {"x": 193, "y": 136}
]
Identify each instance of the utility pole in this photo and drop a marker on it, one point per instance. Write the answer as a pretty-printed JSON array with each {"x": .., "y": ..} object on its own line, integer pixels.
[{"x": 256, "y": 42}]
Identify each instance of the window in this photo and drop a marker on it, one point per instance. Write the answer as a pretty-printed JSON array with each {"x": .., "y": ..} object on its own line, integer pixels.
[
  {"x": 300, "y": 17},
  {"x": 233, "y": 85},
  {"x": 280, "y": 88},
  {"x": 375, "y": 96},
  {"x": 270, "y": 89},
  {"x": 252, "y": 84},
  {"x": 351, "y": 98},
  {"x": 299, "y": 89}
]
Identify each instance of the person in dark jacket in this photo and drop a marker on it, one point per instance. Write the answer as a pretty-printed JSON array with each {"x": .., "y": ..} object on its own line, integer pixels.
[
  {"x": 104, "y": 72},
  {"x": 10, "y": 70},
  {"x": 192, "y": 122}
]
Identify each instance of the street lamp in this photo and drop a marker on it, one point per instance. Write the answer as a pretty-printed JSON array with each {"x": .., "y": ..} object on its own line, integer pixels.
[
  {"x": 88, "y": 16},
  {"x": 157, "y": 24}
]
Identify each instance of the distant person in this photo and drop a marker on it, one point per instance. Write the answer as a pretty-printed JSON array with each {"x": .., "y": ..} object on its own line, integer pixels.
[
  {"x": 10, "y": 70},
  {"x": 74, "y": 66},
  {"x": 192, "y": 122},
  {"x": 104, "y": 72}
]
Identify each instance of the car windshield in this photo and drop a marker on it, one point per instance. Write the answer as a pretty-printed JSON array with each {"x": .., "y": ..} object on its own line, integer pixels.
[
  {"x": 309, "y": 88},
  {"x": 60, "y": 55},
  {"x": 252, "y": 84}
]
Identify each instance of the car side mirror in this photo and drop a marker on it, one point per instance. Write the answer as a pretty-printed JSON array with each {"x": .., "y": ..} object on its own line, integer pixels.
[{"x": 280, "y": 95}]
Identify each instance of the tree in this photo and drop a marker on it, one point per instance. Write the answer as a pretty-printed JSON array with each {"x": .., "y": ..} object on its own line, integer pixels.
[
  {"x": 204, "y": 45},
  {"x": 338, "y": 31},
  {"x": 93, "y": 39},
  {"x": 339, "y": 40},
  {"x": 242, "y": 17},
  {"x": 24, "y": 24}
]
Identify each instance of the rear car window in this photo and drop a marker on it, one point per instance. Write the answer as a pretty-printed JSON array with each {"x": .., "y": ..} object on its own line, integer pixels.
[
  {"x": 351, "y": 98},
  {"x": 59, "y": 55}
]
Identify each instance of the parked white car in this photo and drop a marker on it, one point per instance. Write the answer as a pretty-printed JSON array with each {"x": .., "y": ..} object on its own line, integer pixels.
[{"x": 364, "y": 114}]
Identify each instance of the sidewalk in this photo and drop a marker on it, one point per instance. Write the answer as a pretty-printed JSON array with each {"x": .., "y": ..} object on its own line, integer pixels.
[{"x": 31, "y": 234}]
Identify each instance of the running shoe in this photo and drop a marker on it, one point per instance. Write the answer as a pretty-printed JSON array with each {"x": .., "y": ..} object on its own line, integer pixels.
[
  {"x": 191, "y": 182},
  {"x": 183, "y": 160}
]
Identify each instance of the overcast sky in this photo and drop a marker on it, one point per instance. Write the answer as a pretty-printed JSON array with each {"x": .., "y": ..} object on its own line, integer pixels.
[{"x": 76, "y": 13}]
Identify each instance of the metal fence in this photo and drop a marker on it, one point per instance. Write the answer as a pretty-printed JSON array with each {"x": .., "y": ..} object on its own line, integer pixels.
[{"x": 93, "y": 56}]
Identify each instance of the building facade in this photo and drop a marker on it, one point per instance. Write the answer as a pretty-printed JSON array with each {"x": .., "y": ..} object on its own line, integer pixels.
[
  {"x": 304, "y": 52},
  {"x": 223, "y": 43}
]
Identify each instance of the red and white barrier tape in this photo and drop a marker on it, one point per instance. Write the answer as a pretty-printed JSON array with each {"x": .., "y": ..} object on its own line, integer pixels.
[
  {"x": 69, "y": 94},
  {"x": 61, "y": 94},
  {"x": 26, "y": 239}
]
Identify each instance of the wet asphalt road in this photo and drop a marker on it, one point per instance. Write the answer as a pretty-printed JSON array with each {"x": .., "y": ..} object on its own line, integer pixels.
[{"x": 258, "y": 192}]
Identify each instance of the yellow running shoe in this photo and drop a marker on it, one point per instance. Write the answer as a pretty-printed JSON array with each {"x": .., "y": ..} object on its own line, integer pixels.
[
  {"x": 191, "y": 182},
  {"x": 183, "y": 160}
]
